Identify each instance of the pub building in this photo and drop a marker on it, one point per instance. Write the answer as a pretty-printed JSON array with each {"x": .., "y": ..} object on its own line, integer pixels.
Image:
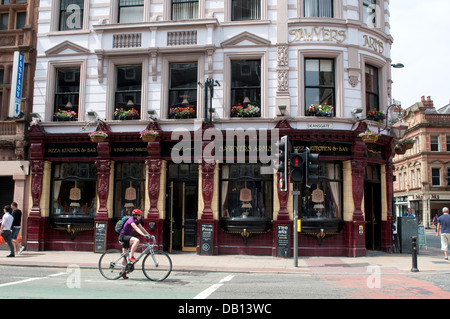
[
  {"x": 207, "y": 206},
  {"x": 314, "y": 71}
]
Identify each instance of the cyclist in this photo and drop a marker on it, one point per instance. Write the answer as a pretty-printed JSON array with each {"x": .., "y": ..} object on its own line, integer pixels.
[{"x": 132, "y": 224}]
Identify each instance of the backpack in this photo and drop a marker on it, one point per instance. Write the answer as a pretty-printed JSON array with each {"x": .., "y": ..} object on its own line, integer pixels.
[{"x": 119, "y": 225}]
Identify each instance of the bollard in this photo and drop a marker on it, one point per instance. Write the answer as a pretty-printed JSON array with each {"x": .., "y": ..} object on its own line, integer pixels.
[{"x": 414, "y": 254}]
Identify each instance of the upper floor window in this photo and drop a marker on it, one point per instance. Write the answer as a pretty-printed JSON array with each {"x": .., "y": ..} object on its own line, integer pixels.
[
  {"x": 4, "y": 18},
  {"x": 128, "y": 92},
  {"x": 436, "y": 176},
  {"x": 245, "y": 10},
  {"x": 246, "y": 88},
  {"x": 71, "y": 15},
  {"x": 370, "y": 12},
  {"x": 448, "y": 176},
  {"x": 184, "y": 9},
  {"x": 131, "y": 11},
  {"x": 448, "y": 143},
  {"x": 319, "y": 83},
  {"x": 318, "y": 8},
  {"x": 434, "y": 143},
  {"x": 21, "y": 19},
  {"x": 372, "y": 89},
  {"x": 183, "y": 90},
  {"x": 67, "y": 94}
]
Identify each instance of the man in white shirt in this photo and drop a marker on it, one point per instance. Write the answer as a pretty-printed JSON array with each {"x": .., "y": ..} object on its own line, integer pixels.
[{"x": 6, "y": 228}]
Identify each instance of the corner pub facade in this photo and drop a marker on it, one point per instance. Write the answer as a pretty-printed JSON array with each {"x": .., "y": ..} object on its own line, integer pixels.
[{"x": 188, "y": 68}]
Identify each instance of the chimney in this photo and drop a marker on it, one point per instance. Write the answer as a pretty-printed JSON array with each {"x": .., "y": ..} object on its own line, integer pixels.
[{"x": 428, "y": 102}]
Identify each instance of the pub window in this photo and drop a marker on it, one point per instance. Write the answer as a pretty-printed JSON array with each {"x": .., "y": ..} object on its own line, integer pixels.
[
  {"x": 245, "y": 10},
  {"x": 319, "y": 83},
  {"x": 372, "y": 89},
  {"x": 436, "y": 176},
  {"x": 369, "y": 12},
  {"x": 246, "y": 88},
  {"x": 184, "y": 9},
  {"x": 246, "y": 192},
  {"x": 129, "y": 188},
  {"x": 67, "y": 94},
  {"x": 131, "y": 11},
  {"x": 183, "y": 90},
  {"x": 434, "y": 143},
  {"x": 71, "y": 15},
  {"x": 318, "y": 8},
  {"x": 128, "y": 92},
  {"x": 74, "y": 189},
  {"x": 324, "y": 199}
]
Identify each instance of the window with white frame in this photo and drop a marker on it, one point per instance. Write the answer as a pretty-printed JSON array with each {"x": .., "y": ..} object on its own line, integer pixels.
[
  {"x": 319, "y": 83},
  {"x": 370, "y": 12},
  {"x": 71, "y": 15},
  {"x": 419, "y": 179},
  {"x": 413, "y": 179},
  {"x": 183, "y": 81},
  {"x": 184, "y": 9},
  {"x": 245, "y": 88},
  {"x": 434, "y": 143},
  {"x": 318, "y": 8},
  {"x": 67, "y": 94},
  {"x": 245, "y": 10},
  {"x": 372, "y": 89},
  {"x": 128, "y": 92},
  {"x": 436, "y": 176},
  {"x": 131, "y": 11}
]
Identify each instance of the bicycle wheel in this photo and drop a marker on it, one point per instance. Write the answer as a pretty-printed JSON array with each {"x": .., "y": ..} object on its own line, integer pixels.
[
  {"x": 112, "y": 264},
  {"x": 158, "y": 266}
]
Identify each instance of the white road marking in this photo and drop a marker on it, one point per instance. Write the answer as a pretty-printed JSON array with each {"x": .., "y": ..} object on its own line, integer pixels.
[
  {"x": 31, "y": 279},
  {"x": 208, "y": 291}
]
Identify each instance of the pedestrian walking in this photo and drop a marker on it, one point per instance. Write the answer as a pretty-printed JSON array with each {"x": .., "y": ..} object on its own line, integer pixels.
[
  {"x": 435, "y": 222},
  {"x": 5, "y": 229},
  {"x": 17, "y": 215},
  {"x": 444, "y": 229}
]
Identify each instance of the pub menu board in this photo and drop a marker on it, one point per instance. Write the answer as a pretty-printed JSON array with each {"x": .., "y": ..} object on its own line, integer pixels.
[
  {"x": 283, "y": 242},
  {"x": 100, "y": 237},
  {"x": 206, "y": 239}
]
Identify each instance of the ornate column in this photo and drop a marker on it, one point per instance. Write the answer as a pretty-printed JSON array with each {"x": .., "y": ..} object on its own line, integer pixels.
[
  {"x": 35, "y": 228},
  {"x": 207, "y": 188},
  {"x": 357, "y": 242},
  {"x": 154, "y": 174},
  {"x": 103, "y": 173}
]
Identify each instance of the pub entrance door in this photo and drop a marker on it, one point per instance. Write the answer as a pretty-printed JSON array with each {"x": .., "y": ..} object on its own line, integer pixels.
[
  {"x": 372, "y": 207},
  {"x": 182, "y": 207}
]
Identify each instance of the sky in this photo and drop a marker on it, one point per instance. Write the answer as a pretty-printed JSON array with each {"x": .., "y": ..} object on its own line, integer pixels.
[{"x": 421, "y": 32}]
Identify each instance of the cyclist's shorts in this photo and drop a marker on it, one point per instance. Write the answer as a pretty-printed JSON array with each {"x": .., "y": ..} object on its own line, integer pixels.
[{"x": 125, "y": 239}]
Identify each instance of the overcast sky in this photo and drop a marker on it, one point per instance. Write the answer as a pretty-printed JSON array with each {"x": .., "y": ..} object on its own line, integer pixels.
[{"x": 421, "y": 32}]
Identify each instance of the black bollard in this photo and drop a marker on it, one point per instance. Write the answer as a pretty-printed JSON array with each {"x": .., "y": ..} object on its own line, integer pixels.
[{"x": 414, "y": 254}]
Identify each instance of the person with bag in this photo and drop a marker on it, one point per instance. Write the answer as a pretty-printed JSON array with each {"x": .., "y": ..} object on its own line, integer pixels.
[
  {"x": 444, "y": 229},
  {"x": 17, "y": 215},
  {"x": 5, "y": 229},
  {"x": 126, "y": 237}
]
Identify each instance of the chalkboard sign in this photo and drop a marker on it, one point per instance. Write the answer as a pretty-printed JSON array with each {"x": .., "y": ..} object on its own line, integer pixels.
[
  {"x": 100, "y": 237},
  {"x": 206, "y": 239},
  {"x": 283, "y": 241}
]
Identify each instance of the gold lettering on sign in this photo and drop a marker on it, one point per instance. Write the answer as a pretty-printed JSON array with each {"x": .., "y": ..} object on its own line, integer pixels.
[
  {"x": 318, "y": 34},
  {"x": 373, "y": 43}
]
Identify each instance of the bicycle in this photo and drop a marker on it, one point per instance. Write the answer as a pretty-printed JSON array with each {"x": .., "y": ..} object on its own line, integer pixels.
[{"x": 156, "y": 265}]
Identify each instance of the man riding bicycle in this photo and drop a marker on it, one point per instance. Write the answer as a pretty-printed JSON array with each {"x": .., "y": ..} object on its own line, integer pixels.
[{"x": 132, "y": 224}]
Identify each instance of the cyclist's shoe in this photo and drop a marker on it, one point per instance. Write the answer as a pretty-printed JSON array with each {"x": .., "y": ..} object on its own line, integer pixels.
[
  {"x": 132, "y": 259},
  {"x": 124, "y": 275}
]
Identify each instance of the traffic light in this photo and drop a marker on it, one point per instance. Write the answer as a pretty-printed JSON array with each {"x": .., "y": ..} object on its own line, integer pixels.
[
  {"x": 311, "y": 168},
  {"x": 297, "y": 166},
  {"x": 283, "y": 156}
]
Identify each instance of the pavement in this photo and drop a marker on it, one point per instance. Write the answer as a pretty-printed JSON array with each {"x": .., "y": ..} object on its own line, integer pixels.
[{"x": 429, "y": 260}]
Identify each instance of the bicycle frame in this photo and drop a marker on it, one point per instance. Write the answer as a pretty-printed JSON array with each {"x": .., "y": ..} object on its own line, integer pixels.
[{"x": 146, "y": 251}]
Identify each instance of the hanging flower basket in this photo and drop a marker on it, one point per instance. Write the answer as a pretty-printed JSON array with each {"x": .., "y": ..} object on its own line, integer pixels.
[
  {"x": 148, "y": 135},
  {"x": 407, "y": 143},
  {"x": 369, "y": 137},
  {"x": 399, "y": 150},
  {"x": 98, "y": 136}
]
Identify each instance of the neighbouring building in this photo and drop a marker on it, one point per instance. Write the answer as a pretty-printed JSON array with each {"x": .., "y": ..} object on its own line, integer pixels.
[
  {"x": 423, "y": 173},
  {"x": 244, "y": 72},
  {"x": 18, "y": 25}
]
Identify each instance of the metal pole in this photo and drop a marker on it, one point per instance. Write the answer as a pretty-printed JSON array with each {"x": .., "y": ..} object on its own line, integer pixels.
[
  {"x": 414, "y": 254},
  {"x": 295, "y": 192}
]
